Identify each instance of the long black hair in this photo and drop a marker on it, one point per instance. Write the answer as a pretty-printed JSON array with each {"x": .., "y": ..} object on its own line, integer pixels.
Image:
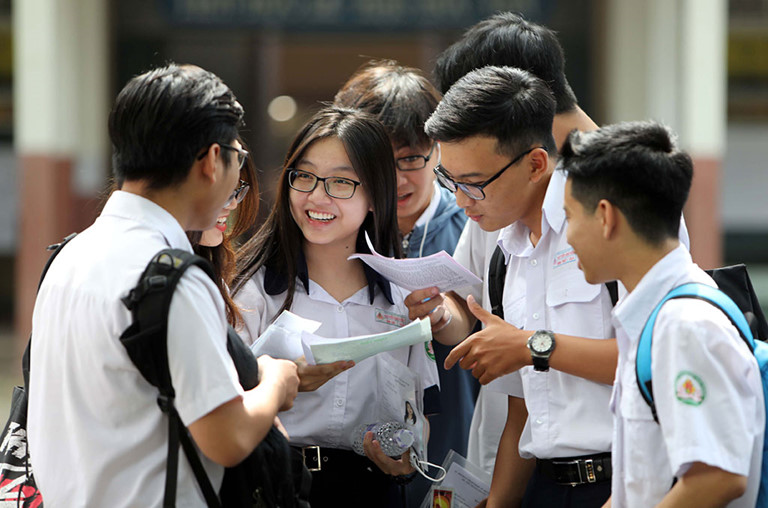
[{"x": 279, "y": 240}]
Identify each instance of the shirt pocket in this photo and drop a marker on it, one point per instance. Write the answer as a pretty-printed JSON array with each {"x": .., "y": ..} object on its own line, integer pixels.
[
  {"x": 574, "y": 306},
  {"x": 644, "y": 448},
  {"x": 514, "y": 312}
]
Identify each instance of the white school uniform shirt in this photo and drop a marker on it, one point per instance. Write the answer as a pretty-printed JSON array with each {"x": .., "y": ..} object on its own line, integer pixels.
[
  {"x": 706, "y": 386},
  {"x": 328, "y": 415},
  {"x": 473, "y": 252},
  {"x": 545, "y": 290},
  {"x": 96, "y": 434}
]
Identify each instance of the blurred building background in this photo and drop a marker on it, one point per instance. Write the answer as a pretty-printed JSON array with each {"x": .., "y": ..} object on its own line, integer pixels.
[{"x": 700, "y": 66}]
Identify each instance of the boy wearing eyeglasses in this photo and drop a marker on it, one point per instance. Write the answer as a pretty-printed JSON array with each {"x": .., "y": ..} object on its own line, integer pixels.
[
  {"x": 174, "y": 133},
  {"x": 498, "y": 155}
]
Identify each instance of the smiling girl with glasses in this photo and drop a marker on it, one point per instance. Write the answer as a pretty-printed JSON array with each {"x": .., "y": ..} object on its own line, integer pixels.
[{"x": 337, "y": 185}]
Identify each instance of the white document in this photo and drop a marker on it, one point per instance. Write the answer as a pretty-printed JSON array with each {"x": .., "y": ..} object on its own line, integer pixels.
[
  {"x": 282, "y": 339},
  {"x": 468, "y": 489},
  {"x": 439, "y": 270},
  {"x": 398, "y": 384},
  {"x": 319, "y": 350}
]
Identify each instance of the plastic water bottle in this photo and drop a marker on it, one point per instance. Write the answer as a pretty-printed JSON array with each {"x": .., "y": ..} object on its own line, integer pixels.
[{"x": 395, "y": 439}]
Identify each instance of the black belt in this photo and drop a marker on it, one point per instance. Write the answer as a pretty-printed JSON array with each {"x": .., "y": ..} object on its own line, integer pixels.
[
  {"x": 577, "y": 470},
  {"x": 318, "y": 458}
]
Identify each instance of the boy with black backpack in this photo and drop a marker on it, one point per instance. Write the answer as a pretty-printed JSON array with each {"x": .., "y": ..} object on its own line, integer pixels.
[
  {"x": 703, "y": 444},
  {"x": 96, "y": 434}
]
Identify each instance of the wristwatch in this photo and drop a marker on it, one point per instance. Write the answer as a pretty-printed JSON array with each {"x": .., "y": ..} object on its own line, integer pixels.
[{"x": 541, "y": 344}]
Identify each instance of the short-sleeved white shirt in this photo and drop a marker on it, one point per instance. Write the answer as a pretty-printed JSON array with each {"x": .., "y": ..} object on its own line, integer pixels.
[
  {"x": 328, "y": 415},
  {"x": 96, "y": 434},
  {"x": 718, "y": 420},
  {"x": 473, "y": 252},
  {"x": 545, "y": 289}
]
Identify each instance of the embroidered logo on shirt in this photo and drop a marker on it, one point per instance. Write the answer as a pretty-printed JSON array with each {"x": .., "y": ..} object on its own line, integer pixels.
[
  {"x": 564, "y": 257},
  {"x": 391, "y": 318},
  {"x": 430, "y": 350},
  {"x": 689, "y": 388}
]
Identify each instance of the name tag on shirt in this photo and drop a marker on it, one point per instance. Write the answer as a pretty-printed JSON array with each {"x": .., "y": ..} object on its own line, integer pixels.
[
  {"x": 390, "y": 318},
  {"x": 564, "y": 257}
]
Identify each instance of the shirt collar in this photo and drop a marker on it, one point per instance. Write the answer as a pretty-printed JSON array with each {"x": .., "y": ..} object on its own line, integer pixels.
[
  {"x": 133, "y": 207},
  {"x": 632, "y": 311},
  {"x": 429, "y": 212},
  {"x": 514, "y": 239},
  {"x": 276, "y": 282},
  {"x": 552, "y": 209}
]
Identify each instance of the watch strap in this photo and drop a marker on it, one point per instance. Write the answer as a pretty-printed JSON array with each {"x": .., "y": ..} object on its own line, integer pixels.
[{"x": 540, "y": 363}]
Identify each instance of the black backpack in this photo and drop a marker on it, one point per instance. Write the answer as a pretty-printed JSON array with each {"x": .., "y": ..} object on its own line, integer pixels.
[
  {"x": 274, "y": 474},
  {"x": 497, "y": 272},
  {"x": 18, "y": 487}
]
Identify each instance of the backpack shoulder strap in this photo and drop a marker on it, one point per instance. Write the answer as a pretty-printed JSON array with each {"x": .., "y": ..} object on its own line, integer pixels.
[
  {"x": 146, "y": 342},
  {"x": 613, "y": 291},
  {"x": 691, "y": 290},
  {"x": 497, "y": 272},
  {"x": 26, "y": 357}
]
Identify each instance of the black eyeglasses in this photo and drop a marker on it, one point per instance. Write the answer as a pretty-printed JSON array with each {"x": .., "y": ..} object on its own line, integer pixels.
[
  {"x": 335, "y": 186},
  {"x": 239, "y": 194},
  {"x": 241, "y": 154},
  {"x": 414, "y": 162},
  {"x": 475, "y": 190}
]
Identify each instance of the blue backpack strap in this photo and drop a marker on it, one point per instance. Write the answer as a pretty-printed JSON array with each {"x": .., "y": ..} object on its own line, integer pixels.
[
  {"x": 758, "y": 348},
  {"x": 690, "y": 290}
]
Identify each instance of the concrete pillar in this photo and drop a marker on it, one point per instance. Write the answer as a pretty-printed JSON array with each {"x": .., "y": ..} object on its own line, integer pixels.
[
  {"x": 666, "y": 61},
  {"x": 60, "y": 113}
]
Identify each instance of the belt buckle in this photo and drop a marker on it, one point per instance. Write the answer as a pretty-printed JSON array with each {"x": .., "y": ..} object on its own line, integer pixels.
[
  {"x": 316, "y": 451},
  {"x": 574, "y": 463}
]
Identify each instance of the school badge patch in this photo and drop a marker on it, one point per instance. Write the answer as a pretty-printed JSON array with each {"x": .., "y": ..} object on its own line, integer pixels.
[
  {"x": 430, "y": 350},
  {"x": 689, "y": 388},
  {"x": 391, "y": 318}
]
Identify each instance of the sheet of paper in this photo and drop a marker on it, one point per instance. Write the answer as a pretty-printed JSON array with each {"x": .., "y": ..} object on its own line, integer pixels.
[
  {"x": 439, "y": 270},
  {"x": 398, "y": 384},
  {"x": 468, "y": 489},
  {"x": 319, "y": 350},
  {"x": 282, "y": 339}
]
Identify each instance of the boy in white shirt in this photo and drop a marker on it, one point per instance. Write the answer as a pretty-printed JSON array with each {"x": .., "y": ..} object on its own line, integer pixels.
[
  {"x": 177, "y": 160},
  {"x": 625, "y": 192}
]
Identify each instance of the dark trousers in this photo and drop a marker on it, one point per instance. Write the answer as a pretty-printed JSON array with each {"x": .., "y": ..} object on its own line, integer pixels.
[
  {"x": 543, "y": 492},
  {"x": 350, "y": 480}
]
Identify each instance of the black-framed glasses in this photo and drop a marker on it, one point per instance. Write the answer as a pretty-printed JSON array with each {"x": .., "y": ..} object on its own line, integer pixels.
[
  {"x": 414, "y": 162},
  {"x": 475, "y": 190},
  {"x": 335, "y": 186},
  {"x": 241, "y": 154},
  {"x": 239, "y": 194}
]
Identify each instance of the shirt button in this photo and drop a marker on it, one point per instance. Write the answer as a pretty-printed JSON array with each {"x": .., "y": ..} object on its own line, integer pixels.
[
  {"x": 340, "y": 308},
  {"x": 539, "y": 421},
  {"x": 534, "y": 262},
  {"x": 339, "y": 402},
  {"x": 535, "y": 315}
]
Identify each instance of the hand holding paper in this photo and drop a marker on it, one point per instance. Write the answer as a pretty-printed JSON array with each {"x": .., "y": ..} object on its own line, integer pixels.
[{"x": 439, "y": 270}]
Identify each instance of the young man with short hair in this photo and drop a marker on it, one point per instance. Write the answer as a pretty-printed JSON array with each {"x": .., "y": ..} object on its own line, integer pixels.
[
  {"x": 495, "y": 129},
  {"x": 626, "y": 187},
  {"x": 96, "y": 434},
  {"x": 506, "y": 39}
]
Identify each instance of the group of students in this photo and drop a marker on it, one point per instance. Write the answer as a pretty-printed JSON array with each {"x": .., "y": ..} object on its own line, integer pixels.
[{"x": 568, "y": 206}]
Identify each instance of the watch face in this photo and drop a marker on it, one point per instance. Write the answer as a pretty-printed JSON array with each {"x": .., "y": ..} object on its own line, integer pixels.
[{"x": 541, "y": 342}]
